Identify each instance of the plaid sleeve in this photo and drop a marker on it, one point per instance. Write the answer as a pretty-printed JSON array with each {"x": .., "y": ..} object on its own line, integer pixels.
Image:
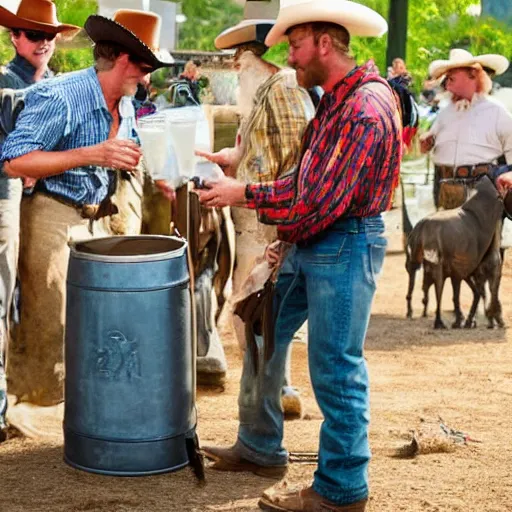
[
  {"x": 271, "y": 197},
  {"x": 290, "y": 110}
]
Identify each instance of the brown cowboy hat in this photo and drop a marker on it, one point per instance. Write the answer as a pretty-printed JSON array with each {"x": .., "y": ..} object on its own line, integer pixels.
[
  {"x": 137, "y": 31},
  {"x": 36, "y": 15}
]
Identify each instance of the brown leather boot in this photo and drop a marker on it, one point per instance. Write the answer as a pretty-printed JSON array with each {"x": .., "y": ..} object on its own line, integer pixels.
[
  {"x": 229, "y": 459},
  {"x": 283, "y": 499}
]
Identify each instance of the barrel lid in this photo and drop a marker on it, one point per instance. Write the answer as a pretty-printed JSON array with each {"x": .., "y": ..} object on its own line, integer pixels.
[{"x": 129, "y": 249}]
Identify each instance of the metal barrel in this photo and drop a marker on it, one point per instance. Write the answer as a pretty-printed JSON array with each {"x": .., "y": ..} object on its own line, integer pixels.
[{"x": 130, "y": 360}]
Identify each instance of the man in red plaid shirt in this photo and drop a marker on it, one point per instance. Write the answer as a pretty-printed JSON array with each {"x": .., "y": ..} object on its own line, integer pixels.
[{"x": 330, "y": 209}]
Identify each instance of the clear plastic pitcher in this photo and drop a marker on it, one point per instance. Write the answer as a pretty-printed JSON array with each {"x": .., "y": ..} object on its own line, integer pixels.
[
  {"x": 182, "y": 124},
  {"x": 154, "y": 134}
]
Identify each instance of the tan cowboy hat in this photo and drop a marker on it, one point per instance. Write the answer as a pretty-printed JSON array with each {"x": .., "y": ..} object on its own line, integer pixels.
[
  {"x": 358, "y": 19},
  {"x": 34, "y": 15},
  {"x": 463, "y": 59},
  {"x": 137, "y": 31},
  {"x": 259, "y": 18}
]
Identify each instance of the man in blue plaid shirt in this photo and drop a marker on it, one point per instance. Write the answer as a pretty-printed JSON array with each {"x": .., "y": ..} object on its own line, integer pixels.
[{"x": 74, "y": 131}]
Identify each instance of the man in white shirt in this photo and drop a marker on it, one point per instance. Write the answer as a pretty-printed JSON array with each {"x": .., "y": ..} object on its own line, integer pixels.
[{"x": 471, "y": 134}]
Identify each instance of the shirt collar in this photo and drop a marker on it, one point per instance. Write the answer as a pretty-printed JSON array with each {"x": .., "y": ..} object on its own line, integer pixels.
[
  {"x": 268, "y": 83},
  {"x": 464, "y": 105},
  {"x": 22, "y": 67},
  {"x": 351, "y": 81},
  {"x": 98, "y": 99}
]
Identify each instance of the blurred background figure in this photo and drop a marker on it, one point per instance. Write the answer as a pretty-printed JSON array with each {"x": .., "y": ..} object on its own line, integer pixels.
[
  {"x": 192, "y": 74},
  {"x": 398, "y": 73}
]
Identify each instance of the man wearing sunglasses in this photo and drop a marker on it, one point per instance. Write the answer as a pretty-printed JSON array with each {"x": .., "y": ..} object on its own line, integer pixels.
[
  {"x": 33, "y": 31},
  {"x": 75, "y": 132},
  {"x": 34, "y": 49}
]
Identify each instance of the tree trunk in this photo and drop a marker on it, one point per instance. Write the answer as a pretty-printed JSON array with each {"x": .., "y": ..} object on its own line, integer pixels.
[{"x": 397, "y": 34}]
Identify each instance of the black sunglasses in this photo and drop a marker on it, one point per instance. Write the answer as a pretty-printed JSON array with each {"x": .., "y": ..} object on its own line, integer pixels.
[
  {"x": 35, "y": 35},
  {"x": 144, "y": 66}
]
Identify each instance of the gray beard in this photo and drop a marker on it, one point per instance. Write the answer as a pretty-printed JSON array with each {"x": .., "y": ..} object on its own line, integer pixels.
[{"x": 252, "y": 74}]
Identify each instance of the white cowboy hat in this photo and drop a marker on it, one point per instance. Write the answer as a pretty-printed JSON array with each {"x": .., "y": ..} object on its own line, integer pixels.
[
  {"x": 259, "y": 18},
  {"x": 358, "y": 19},
  {"x": 247, "y": 31},
  {"x": 463, "y": 59}
]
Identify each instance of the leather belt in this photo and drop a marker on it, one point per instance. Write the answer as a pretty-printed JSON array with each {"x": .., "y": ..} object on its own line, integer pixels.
[
  {"x": 462, "y": 172},
  {"x": 86, "y": 211}
]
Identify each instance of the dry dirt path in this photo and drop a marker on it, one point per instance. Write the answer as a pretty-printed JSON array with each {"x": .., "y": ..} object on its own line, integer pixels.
[{"x": 463, "y": 376}]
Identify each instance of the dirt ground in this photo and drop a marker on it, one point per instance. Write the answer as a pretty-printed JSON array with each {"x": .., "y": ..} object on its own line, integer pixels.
[{"x": 462, "y": 376}]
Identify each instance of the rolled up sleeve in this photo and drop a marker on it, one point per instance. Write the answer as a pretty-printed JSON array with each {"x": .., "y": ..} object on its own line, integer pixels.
[{"x": 40, "y": 127}]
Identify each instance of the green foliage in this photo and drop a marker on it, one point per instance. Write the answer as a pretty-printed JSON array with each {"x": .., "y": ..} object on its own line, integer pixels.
[
  {"x": 431, "y": 34},
  {"x": 6, "y": 49},
  {"x": 68, "y": 58},
  {"x": 159, "y": 78},
  {"x": 206, "y": 19},
  {"x": 278, "y": 54},
  {"x": 434, "y": 27},
  {"x": 65, "y": 60},
  {"x": 75, "y": 12}
]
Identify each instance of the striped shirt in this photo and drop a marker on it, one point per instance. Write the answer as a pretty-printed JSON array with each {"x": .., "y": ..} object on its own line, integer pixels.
[
  {"x": 349, "y": 166},
  {"x": 69, "y": 112}
]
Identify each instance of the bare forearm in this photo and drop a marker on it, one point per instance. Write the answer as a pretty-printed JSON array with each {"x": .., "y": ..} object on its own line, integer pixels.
[
  {"x": 112, "y": 154},
  {"x": 40, "y": 164}
]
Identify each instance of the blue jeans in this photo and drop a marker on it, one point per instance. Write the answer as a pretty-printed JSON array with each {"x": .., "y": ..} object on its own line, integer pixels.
[{"x": 331, "y": 282}]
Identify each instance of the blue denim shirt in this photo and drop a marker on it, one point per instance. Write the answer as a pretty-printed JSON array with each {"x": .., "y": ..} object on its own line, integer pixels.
[
  {"x": 497, "y": 171},
  {"x": 69, "y": 112},
  {"x": 18, "y": 74}
]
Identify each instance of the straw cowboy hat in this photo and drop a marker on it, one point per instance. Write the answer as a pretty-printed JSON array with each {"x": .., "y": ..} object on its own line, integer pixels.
[
  {"x": 463, "y": 59},
  {"x": 358, "y": 19},
  {"x": 35, "y": 15},
  {"x": 137, "y": 31},
  {"x": 259, "y": 18}
]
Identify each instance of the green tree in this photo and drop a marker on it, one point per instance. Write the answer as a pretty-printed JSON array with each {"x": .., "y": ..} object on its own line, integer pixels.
[
  {"x": 76, "y": 54},
  {"x": 206, "y": 19},
  {"x": 75, "y": 12},
  {"x": 434, "y": 27}
]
